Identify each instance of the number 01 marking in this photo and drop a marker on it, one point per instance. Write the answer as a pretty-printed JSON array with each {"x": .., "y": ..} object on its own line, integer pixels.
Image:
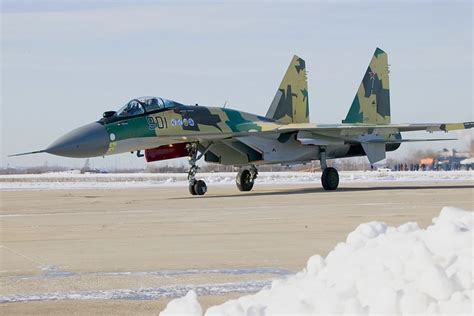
[{"x": 157, "y": 122}]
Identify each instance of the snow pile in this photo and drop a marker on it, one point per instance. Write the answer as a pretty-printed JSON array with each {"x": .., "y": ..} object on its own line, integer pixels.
[
  {"x": 186, "y": 305},
  {"x": 378, "y": 270}
]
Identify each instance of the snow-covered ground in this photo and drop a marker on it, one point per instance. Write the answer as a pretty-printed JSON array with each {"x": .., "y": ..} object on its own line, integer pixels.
[
  {"x": 377, "y": 270},
  {"x": 67, "y": 180}
]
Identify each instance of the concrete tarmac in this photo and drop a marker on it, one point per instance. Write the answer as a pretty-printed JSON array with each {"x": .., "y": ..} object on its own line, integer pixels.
[{"x": 127, "y": 251}]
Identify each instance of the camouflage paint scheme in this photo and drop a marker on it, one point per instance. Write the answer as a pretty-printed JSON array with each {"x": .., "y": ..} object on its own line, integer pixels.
[
  {"x": 284, "y": 135},
  {"x": 372, "y": 102},
  {"x": 173, "y": 125},
  {"x": 291, "y": 102},
  {"x": 253, "y": 139},
  {"x": 161, "y": 127}
]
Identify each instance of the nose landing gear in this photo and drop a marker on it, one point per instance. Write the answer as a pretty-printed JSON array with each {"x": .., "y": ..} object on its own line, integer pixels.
[{"x": 196, "y": 187}]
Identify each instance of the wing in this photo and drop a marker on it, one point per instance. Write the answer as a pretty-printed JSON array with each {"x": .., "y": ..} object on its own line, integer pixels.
[
  {"x": 291, "y": 143},
  {"x": 372, "y": 137},
  {"x": 386, "y": 129}
]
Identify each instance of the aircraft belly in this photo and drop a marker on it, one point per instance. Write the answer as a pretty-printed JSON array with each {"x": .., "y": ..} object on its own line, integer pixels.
[
  {"x": 290, "y": 155},
  {"x": 339, "y": 151},
  {"x": 280, "y": 151},
  {"x": 226, "y": 155}
]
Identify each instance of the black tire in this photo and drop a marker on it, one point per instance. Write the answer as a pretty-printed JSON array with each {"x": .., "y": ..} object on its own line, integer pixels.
[
  {"x": 330, "y": 179},
  {"x": 200, "y": 187},
  {"x": 244, "y": 180},
  {"x": 191, "y": 188}
]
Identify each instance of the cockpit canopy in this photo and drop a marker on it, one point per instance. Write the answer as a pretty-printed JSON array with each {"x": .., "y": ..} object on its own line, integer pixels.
[{"x": 145, "y": 105}]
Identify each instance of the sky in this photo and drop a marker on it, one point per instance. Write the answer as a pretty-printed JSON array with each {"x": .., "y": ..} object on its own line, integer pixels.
[{"x": 65, "y": 62}]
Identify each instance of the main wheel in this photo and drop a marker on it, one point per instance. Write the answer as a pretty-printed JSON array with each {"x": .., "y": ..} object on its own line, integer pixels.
[
  {"x": 330, "y": 179},
  {"x": 200, "y": 187},
  {"x": 191, "y": 188},
  {"x": 244, "y": 180}
]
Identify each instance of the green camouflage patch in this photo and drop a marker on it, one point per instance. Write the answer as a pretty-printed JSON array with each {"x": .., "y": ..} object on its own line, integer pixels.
[
  {"x": 291, "y": 103},
  {"x": 372, "y": 101}
]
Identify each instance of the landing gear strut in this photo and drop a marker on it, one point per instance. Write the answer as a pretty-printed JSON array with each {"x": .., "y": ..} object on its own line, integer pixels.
[
  {"x": 330, "y": 177},
  {"x": 196, "y": 187},
  {"x": 246, "y": 178}
]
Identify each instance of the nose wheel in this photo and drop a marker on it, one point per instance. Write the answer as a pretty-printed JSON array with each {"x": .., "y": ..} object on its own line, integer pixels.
[{"x": 196, "y": 187}]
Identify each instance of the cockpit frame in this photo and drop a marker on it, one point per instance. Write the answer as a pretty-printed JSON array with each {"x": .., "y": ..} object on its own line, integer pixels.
[{"x": 141, "y": 106}]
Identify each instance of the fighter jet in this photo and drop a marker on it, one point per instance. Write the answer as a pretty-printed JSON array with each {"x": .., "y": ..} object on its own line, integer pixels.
[{"x": 165, "y": 129}]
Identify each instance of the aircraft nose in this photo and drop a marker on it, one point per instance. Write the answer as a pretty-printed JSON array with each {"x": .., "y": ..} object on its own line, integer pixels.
[{"x": 90, "y": 140}]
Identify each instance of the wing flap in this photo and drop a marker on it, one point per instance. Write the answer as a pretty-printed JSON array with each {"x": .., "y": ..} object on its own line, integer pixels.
[{"x": 410, "y": 140}]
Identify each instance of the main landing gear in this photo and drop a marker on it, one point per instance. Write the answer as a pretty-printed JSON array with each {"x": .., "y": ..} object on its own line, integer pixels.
[
  {"x": 246, "y": 178},
  {"x": 330, "y": 177},
  {"x": 196, "y": 187}
]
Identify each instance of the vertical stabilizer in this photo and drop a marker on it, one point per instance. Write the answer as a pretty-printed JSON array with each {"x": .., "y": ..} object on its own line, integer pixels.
[
  {"x": 372, "y": 102},
  {"x": 290, "y": 104}
]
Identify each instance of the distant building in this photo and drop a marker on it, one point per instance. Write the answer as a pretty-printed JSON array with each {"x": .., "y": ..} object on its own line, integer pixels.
[
  {"x": 467, "y": 164},
  {"x": 445, "y": 160},
  {"x": 426, "y": 163}
]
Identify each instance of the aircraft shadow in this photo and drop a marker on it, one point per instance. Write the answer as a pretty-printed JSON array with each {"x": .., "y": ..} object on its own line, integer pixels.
[{"x": 343, "y": 189}]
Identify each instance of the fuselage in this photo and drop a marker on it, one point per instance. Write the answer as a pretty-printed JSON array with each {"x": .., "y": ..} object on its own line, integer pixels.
[
  {"x": 149, "y": 127},
  {"x": 181, "y": 123},
  {"x": 147, "y": 123}
]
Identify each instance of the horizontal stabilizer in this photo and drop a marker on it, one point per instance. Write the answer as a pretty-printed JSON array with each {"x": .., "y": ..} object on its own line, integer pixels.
[{"x": 29, "y": 153}]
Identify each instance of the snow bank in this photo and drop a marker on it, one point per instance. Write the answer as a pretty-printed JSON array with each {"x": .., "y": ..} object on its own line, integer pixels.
[
  {"x": 186, "y": 305},
  {"x": 379, "y": 269}
]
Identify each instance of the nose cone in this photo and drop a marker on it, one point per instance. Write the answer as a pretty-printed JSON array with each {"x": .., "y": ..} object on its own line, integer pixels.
[{"x": 90, "y": 140}]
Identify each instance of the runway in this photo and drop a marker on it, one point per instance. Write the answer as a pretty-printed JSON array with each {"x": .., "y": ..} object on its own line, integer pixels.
[{"x": 124, "y": 251}]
